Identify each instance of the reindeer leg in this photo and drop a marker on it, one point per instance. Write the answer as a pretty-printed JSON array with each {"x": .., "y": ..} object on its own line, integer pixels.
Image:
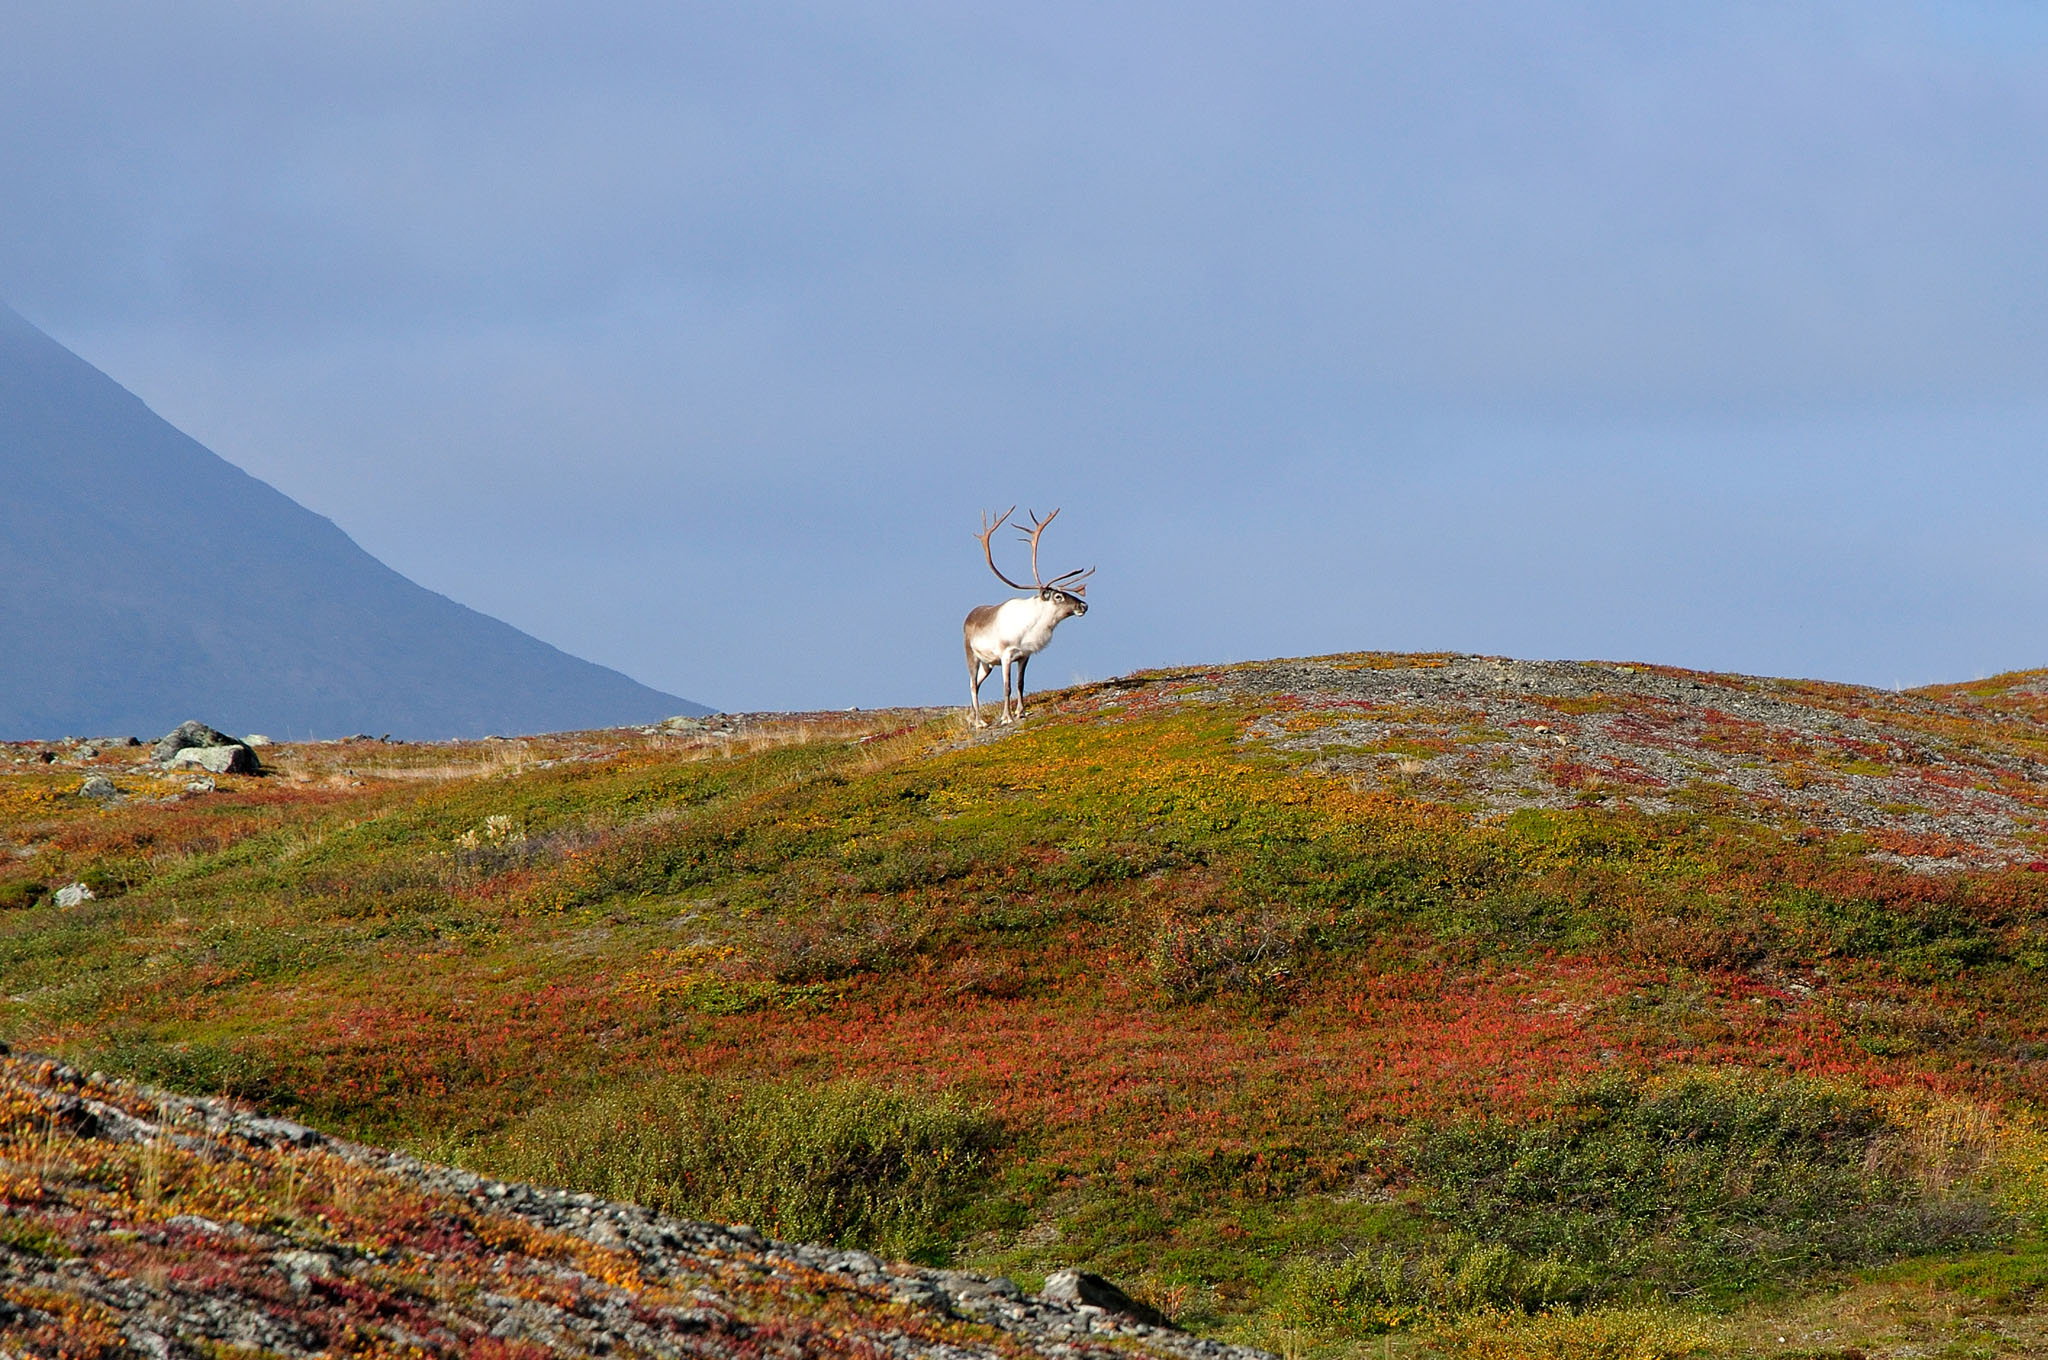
[
  {"x": 1007, "y": 664},
  {"x": 973, "y": 687},
  {"x": 977, "y": 671},
  {"x": 1022, "y": 662}
]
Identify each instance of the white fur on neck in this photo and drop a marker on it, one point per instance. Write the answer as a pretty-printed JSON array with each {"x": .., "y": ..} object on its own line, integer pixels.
[{"x": 1021, "y": 627}]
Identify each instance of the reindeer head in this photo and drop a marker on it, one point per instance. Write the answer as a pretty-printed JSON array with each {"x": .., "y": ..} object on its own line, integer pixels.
[{"x": 1067, "y": 592}]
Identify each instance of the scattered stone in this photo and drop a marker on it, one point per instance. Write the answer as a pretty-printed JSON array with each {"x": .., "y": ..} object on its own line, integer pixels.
[
  {"x": 98, "y": 788},
  {"x": 73, "y": 895},
  {"x": 234, "y": 759},
  {"x": 47, "y": 757},
  {"x": 85, "y": 753},
  {"x": 203, "y": 784},
  {"x": 278, "y": 1132}
]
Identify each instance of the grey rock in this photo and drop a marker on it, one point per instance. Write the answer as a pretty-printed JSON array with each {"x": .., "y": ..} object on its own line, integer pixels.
[
  {"x": 186, "y": 736},
  {"x": 303, "y": 1267},
  {"x": 73, "y": 895},
  {"x": 1080, "y": 1287},
  {"x": 99, "y": 788},
  {"x": 232, "y": 759},
  {"x": 203, "y": 784},
  {"x": 255, "y": 739},
  {"x": 919, "y": 1294},
  {"x": 278, "y": 1132},
  {"x": 152, "y": 1344}
]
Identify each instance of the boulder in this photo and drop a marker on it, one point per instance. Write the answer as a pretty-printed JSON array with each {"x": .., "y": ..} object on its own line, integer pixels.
[
  {"x": 234, "y": 758},
  {"x": 73, "y": 894},
  {"x": 197, "y": 736},
  {"x": 203, "y": 784},
  {"x": 99, "y": 788},
  {"x": 256, "y": 739},
  {"x": 1079, "y": 1287}
]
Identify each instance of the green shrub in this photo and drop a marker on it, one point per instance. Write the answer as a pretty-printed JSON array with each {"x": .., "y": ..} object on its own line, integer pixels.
[
  {"x": 901, "y": 868},
  {"x": 839, "y": 1161},
  {"x": 1379, "y": 1289},
  {"x": 195, "y": 1066},
  {"x": 104, "y": 882},
  {"x": 1202, "y": 956},
  {"x": 840, "y": 941},
  {"x": 15, "y": 896},
  {"x": 1713, "y": 1183},
  {"x": 1603, "y": 1334}
]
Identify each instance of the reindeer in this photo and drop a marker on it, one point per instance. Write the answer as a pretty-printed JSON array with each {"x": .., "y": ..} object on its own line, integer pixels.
[{"x": 1012, "y": 632}]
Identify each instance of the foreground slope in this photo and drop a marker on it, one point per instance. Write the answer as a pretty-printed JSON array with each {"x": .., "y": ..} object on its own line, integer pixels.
[
  {"x": 148, "y": 581},
  {"x": 1457, "y": 999},
  {"x": 143, "y": 1224}
]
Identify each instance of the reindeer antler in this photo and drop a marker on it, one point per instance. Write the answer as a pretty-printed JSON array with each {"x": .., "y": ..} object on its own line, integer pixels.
[
  {"x": 1069, "y": 581},
  {"x": 1073, "y": 582},
  {"x": 987, "y": 532},
  {"x": 1031, "y": 535}
]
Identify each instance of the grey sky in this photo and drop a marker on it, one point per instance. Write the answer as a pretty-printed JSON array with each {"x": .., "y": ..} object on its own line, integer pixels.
[{"x": 692, "y": 338}]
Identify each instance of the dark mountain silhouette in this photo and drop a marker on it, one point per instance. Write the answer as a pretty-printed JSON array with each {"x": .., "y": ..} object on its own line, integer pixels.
[{"x": 145, "y": 580}]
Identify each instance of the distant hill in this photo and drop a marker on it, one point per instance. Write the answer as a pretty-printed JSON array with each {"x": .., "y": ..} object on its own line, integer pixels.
[{"x": 145, "y": 580}]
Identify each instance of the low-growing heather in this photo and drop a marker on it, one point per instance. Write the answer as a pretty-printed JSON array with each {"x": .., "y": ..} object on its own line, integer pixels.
[{"x": 843, "y": 1162}]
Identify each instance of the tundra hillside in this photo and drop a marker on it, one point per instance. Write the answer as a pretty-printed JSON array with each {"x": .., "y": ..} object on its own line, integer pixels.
[{"x": 1368, "y": 1004}]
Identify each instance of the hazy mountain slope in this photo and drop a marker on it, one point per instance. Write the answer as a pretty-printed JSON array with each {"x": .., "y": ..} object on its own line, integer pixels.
[{"x": 148, "y": 581}]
